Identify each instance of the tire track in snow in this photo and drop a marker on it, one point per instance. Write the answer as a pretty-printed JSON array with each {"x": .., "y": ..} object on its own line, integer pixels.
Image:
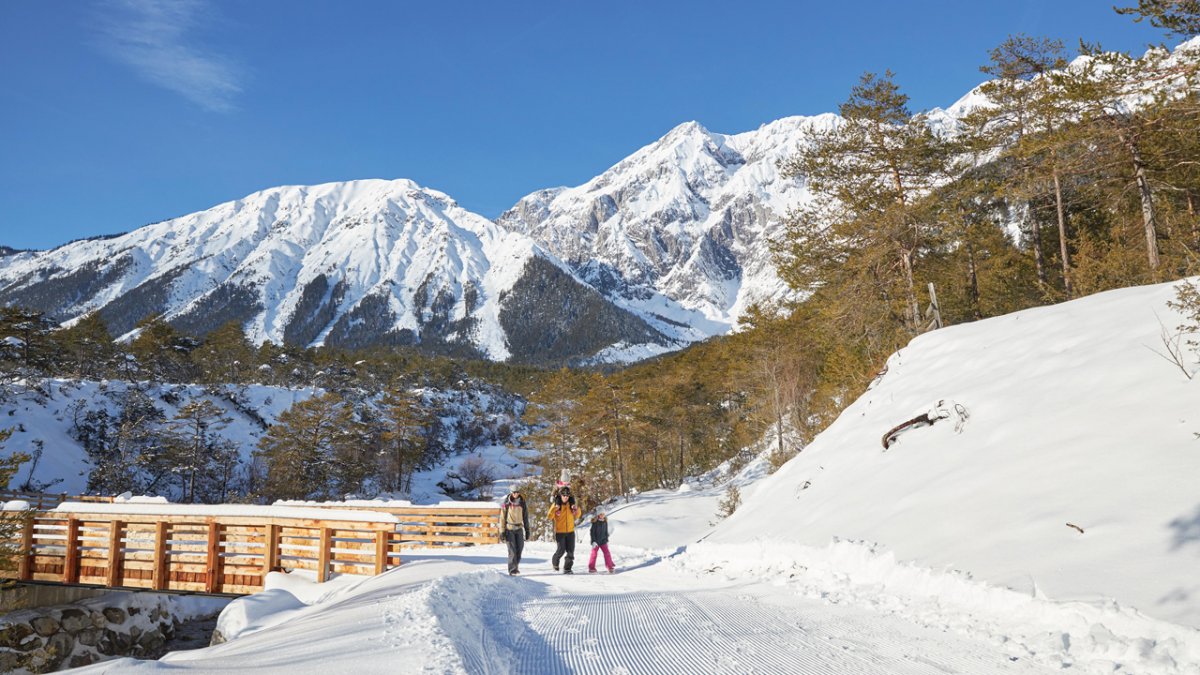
[
  {"x": 719, "y": 631},
  {"x": 645, "y": 632}
]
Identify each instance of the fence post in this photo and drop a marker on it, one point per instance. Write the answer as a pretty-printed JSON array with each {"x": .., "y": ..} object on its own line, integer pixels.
[
  {"x": 270, "y": 550},
  {"x": 323, "y": 554},
  {"x": 160, "y": 576},
  {"x": 115, "y": 558},
  {"x": 71, "y": 560},
  {"x": 212, "y": 561},
  {"x": 25, "y": 565},
  {"x": 381, "y": 551}
]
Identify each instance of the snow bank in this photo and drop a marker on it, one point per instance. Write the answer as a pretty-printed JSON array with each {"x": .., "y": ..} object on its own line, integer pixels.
[
  {"x": 384, "y": 503},
  {"x": 254, "y": 612},
  {"x": 16, "y": 505},
  {"x": 1072, "y": 419},
  {"x": 128, "y": 498},
  {"x": 228, "y": 510},
  {"x": 1095, "y": 637},
  {"x": 388, "y": 503}
]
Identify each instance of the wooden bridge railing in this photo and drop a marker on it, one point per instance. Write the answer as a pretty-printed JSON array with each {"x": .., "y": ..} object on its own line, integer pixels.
[
  {"x": 210, "y": 554},
  {"x": 46, "y": 501},
  {"x": 422, "y": 526}
]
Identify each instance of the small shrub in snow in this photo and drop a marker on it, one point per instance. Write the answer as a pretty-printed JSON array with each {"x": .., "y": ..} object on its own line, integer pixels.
[
  {"x": 778, "y": 458},
  {"x": 476, "y": 475},
  {"x": 730, "y": 502}
]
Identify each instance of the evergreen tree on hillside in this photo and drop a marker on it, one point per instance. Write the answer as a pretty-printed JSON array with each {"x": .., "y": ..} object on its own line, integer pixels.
[
  {"x": 27, "y": 346},
  {"x": 552, "y": 416},
  {"x": 163, "y": 353},
  {"x": 10, "y": 521},
  {"x": 197, "y": 453},
  {"x": 130, "y": 454},
  {"x": 309, "y": 452},
  {"x": 1022, "y": 107},
  {"x": 87, "y": 347},
  {"x": 1121, "y": 104},
  {"x": 403, "y": 437},
  {"x": 225, "y": 356},
  {"x": 1180, "y": 18},
  {"x": 863, "y": 240}
]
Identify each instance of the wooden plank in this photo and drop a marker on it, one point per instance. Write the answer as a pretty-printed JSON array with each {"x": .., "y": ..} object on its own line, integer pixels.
[
  {"x": 71, "y": 564},
  {"x": 271, "y": 550},
  {"x": 25, "y": 564},
  {"x": 114, "y": 554},
  {"x": 160, "y": 579},
  {"x": 381, "y": 552},
  {"x": 213, "y": 558},
  {"x": 323, "y": 554}
]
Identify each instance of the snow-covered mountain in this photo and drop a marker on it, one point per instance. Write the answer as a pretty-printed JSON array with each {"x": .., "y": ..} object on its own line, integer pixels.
[
  {"x": 680, "y": 228},
  {"x": 346, "y": 264}
]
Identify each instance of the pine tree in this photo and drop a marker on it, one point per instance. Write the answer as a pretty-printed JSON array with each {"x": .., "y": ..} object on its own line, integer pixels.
[
  {"x": 87, "y": 347},
  {"x": 225, "y": 356},
  {"x": 1180, "y": 18},
  {"x": 197, "y": 453},
  {"x": 1121, "y": 103},
  {"x": 163, "y": 352},
  {"x": 10, "y": 521},
  {"x": 26, "y": 341},
  {"x": 129, "y": 455},
  {"x": 551, "y": 414},
  {"x": 1020, "y": 107},
  {"x": 306, "y": 452},
  {"x": 869, "y": 175},
  {"x": 403, "y": 437}
]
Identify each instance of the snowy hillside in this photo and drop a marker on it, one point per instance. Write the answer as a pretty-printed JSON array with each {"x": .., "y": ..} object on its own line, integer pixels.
[
  {"x": 1072, "y": 419},
  {"x": 345, "y": 264},
  {"x": 57, "y": 416}
]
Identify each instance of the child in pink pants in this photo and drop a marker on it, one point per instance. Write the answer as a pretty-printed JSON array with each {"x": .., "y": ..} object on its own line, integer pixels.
[{"x": 599, "y": 537}]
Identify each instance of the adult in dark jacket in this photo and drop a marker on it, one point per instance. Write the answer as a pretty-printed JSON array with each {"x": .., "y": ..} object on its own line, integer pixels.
[
  {"x": 514, "y": 527},
  {"x": 599, "y": 537}
]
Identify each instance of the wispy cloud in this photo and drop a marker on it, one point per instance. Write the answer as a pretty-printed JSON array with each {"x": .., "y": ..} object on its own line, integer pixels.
[{"x": 156, "y": 38}]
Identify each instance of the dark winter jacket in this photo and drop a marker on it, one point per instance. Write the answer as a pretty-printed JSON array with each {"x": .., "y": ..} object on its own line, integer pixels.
[
  {"x": 599, "y": 533},
  {"x": 514, "y": 516}
]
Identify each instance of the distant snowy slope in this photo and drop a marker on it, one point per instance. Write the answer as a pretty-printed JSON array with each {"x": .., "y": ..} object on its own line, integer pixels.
[
  {"x": 1072, "y": 419},
  {"x": 347, "y": 264}
]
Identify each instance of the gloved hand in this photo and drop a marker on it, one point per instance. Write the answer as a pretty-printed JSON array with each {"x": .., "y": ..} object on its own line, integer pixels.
[{"x": 526, "y": 534}]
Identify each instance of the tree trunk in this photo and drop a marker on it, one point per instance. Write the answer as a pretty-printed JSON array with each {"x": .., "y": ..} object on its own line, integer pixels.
[
  {"x": 973, "y": 283},
  {"x": 1149, "y": 220},
  {"x": 1062, "y": 233},
  {"x": 914, "y": 310},
  {"x": 1191, "y": 209},
  {"x": 1035, "y": 232},
  {"x": 681, "y": 466}
]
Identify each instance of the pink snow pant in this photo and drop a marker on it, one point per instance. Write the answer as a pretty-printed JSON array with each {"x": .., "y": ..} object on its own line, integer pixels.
[{"x": 607, "y": 558}]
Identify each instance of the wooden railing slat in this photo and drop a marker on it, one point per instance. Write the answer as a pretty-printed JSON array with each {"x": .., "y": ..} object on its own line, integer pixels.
[{"x": 115, "y": 559}]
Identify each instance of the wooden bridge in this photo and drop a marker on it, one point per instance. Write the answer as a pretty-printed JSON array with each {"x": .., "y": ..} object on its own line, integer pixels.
[{"x": 227, "y": 549}]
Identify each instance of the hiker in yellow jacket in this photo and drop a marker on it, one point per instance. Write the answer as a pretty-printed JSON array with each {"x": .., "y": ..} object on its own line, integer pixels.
[{"x": 563, "y": 513}]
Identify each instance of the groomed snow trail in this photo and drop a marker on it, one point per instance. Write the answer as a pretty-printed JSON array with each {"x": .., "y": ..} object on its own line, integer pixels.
[{"x": 649, "y": 620}]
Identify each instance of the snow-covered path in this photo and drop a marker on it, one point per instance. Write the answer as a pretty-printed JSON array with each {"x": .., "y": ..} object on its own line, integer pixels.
[
  {"x": 464, "y": 614},
  {"x": 612, "y": 624}
]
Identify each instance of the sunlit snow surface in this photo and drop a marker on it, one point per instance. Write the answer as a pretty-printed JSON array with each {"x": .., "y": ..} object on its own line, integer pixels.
[{"x": 948, "y": 553}]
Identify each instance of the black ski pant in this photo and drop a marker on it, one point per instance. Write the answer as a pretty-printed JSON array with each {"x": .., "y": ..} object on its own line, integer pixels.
[
  {"x": 516, "y": 544},
  {"x": 566, "y": 544}
]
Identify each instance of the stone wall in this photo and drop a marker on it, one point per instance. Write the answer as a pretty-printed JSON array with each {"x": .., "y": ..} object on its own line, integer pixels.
[{"x": 46, "y": 639}]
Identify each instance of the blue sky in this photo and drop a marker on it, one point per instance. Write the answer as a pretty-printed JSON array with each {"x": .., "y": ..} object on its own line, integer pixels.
[{"x": 118, "y": 113}]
